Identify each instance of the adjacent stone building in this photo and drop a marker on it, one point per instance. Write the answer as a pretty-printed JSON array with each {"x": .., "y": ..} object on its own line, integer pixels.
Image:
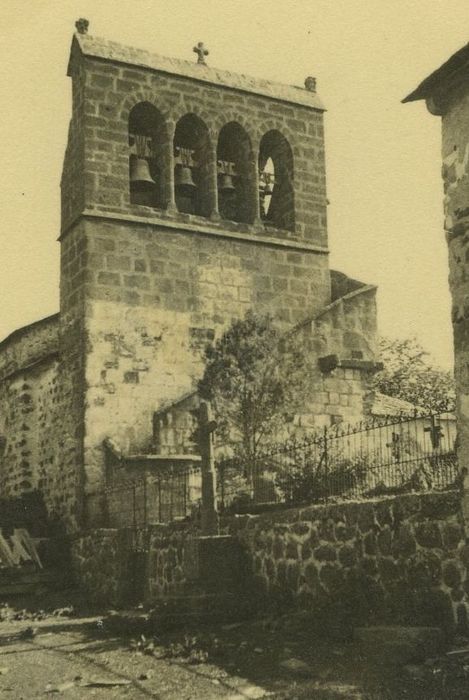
[
  {"x": 189, "y": 195},
  {"x": 446, "y": 92}
]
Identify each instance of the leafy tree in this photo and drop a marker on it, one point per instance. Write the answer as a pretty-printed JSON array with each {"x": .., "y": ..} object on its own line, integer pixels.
[
  {"x": 256, "y": 377},
  {"x": 409, "y": 375}
]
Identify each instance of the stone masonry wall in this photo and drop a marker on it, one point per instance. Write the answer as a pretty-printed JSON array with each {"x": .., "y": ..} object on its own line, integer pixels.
[
  {"x": 455, "y": 172},
  {"x": 346, "y": 328},
  {"x": 101, "y": 562},
  {"x": 73, "y": 343},
  {"x": 143, "y": 289},
  {"x": 26, "y": 408},
  {"x": 154, "y": 300},
  {"x": 28, "y": 345},
  {"x": 32, "y": 417},
  {"x": 72, "y": 182},
  {"x": 394, "y": 560},
  {"x": 168, "y": 556},
  {"x": 342, "y": 395}
]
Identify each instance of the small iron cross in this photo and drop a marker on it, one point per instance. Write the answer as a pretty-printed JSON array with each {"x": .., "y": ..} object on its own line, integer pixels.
[
  {"x": 436, "y": 433},
  {"x": 201, "y": 52}
]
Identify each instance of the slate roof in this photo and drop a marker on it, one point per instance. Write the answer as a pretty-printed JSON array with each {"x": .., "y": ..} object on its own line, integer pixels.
[
  {"x": 384, "y": 405},
  {"x": 458, "y": 61}
]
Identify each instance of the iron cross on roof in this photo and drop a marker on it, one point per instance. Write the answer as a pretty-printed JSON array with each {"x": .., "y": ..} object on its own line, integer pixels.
[{"x": 201, "y": 52}]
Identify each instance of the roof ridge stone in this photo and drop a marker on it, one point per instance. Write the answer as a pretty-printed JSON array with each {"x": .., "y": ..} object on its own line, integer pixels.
[{"x": 113, "y": 51}]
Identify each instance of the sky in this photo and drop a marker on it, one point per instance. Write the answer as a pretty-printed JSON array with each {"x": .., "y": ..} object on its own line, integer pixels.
[{"x": 383, "y": 158}]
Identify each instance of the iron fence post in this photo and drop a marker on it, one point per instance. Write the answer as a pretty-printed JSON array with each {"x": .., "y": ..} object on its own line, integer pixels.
[
  {"x": 159, "y": 498},
  {"x": 221, "y": 472},
  {"x": 145, "y": 501},
  {"x": 134, "y": 503},
  {"x": 326, "y": 466}
]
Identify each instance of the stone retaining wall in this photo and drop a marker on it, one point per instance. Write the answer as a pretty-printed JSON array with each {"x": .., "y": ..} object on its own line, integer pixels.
[
  {"x": 117, "y": 566},
  {"x": 396, "y": 559},
  {"x": 393, "y": 560},
  {"x": 167, "y": 559},
  {"x": 101, "y": 561}
]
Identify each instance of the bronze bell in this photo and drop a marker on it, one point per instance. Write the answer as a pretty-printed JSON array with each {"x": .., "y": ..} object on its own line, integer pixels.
[
  {"x": 225, "y": 183},
  {"x": 184, "y": 181},
  {"x": 140, "y": 176}
]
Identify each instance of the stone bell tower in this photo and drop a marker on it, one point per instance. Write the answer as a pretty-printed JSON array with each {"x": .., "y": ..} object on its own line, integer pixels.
[{"x": 189, "y": 195}]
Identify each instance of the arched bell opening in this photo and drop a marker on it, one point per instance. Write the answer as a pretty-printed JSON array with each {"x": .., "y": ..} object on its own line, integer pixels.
[
  {"x": 276, "y": 195},
  {"x": 147, "y": 136},
  {"x": 192, "y": 166},
  {"x": 235, "y": 174}
]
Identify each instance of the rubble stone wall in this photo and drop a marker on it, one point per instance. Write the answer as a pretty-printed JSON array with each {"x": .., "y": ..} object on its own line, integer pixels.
[
  {"x": 455, "y": 172},
  {"x": 104, "y": 562},
  {"x": 101, "y": 562},
  {"x": 34, "y": 399},
  {"x": 167, "y": 559},
  {"x": 395, "y": 559}
]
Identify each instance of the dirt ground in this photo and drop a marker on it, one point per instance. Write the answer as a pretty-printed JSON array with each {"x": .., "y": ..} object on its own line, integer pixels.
[
  {"x": 78, "y": 658},
  {"x": 68, "y": 653}
]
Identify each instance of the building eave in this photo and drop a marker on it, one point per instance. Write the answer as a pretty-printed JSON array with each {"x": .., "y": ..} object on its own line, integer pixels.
[
  {"x": 24, "y": 330},
  {"x": 457, "y": 62}
]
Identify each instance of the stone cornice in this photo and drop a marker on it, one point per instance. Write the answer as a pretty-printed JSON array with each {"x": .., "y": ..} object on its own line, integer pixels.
[
  {"x": 22, "y": 369},
  {"x": 196, "y": 228}
]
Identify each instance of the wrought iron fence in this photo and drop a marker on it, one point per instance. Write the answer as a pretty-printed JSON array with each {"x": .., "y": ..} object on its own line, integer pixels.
[
  {"x": 152, "y": 498},
  {"x": 382, "y": 457},
  {"x": 386, "y": 456}
]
